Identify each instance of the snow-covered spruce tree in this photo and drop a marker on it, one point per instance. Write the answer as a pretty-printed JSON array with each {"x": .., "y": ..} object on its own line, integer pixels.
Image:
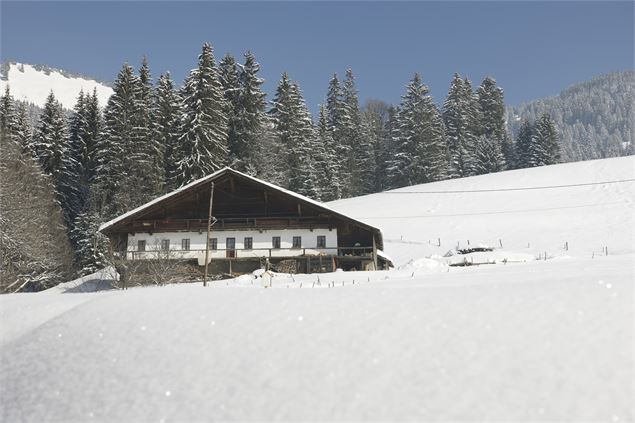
[
  {"x": 489, "y": 148},
  {"x": 22, "y": 131},
  {"x": 251, "y": 118},
  {"x": 7, "y": 112},
  {"x": 458, "y": 136},
  {"x": 386, "y": 149},
  {"x": 50, "y": 141},
  {"x": 523, "y": 144},
  {"x": 360, "y": 161},
  {"x": 228, "y": 74},
  {"x": 281, "y": 114},
  {"x": 94, "y": 128},
  {"x": 337, "y": 119},
  {"x": 202, "y": 147},
  {"x": 420, "y": 149},
  {"x": 73, "y": 184},
  {"x": 14, "y": 122},
  {"x": 326, "y": 164},
  {"x": 91, "y": 246},
  {"x": 165, "y": 117},
  {"x": 374, "y": 116},
  {"x": 295, "y": 139},
  {"x": 544, "y": 147},
  {"x": 474, "y": 124},
  {"x": 148, "y": 168},
  {"x": 115, "y": 185},
  {"x": 302, "y": 173},
  {"x": 487, "y": 156}
]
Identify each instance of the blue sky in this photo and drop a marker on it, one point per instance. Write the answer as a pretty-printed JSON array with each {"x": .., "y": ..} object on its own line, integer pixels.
[{"x": 533, "y": 49}]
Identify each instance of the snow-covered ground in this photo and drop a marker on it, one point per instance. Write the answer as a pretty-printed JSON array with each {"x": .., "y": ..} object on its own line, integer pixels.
[
  {"x": 32, "y": 85},
  {"x": 522, "y": 340}
]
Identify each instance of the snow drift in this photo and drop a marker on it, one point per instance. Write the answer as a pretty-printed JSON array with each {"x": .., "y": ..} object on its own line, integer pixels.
[{"x": 540, "y": 340}]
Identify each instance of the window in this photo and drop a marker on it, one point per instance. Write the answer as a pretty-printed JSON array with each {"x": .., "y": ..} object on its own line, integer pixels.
[
  {"x": 141, "y": 245},
  {"x": 165, "y": 244},
  {"x": 321, "y": 241},
  {"x": 275, "y": 242},
  {"x": 297, "y": 242},
  {"x": 185, "y": 244},
  {"x": 213, "y": 243},
  {"x": 249, "y": 243}
]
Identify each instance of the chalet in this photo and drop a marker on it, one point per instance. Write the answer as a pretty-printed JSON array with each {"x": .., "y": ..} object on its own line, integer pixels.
[{"x": 255, "y": 223}]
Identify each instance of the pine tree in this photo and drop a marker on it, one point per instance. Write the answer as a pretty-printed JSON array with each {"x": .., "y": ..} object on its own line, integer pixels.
[
  {"x": 302, "y": 172},
  {"x": 7, "y": 112},
  {"x": 50, "y": 142},
  {"x": 420, "y": 150},
  {"x": 544, "y": 148},
  {"x": 116, "y": 189},
  {"x": 387, "y": 149},
  {"x": 203, "y": 143},
  {"x": 489, "y": 148},
  {"x": 250, "y": 117},
  {"x": 487, "y": 156},
  {"x": 296, "y": 139},
  {"x": 360, "y": 160},
  {"x": 148, "y": 170},
  {"x": 22, "y": 132},
  {"x": 165, "y": 117},
  {"x": 94, "y": 128},
  {"x": 73, "y": 185},
  {"x": 90, "y": 245},
  {"x": 281, "y": 113},
  {"x": 474, "y": 125},
  {"x": 375, "y": 116},
  {"x": 457, "y": 124},
  {"x": 14, "y": 122},
  {"x": 523, "y": 144},
  {"x": 338, "y": 124},
  {"x": 326, "y": 164},
  {"x": 229, "y": 78}
]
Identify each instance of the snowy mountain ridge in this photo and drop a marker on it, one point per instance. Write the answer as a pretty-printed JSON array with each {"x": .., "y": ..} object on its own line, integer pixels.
[{"x": 33, "y": 83}]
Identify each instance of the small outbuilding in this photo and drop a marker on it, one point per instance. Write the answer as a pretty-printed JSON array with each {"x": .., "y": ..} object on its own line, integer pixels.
[{"x": 255, "y": 224}]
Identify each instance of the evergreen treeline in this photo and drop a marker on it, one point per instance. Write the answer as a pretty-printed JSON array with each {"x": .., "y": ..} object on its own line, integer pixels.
[
  {"x": 594, "y": 119},
  {"x": 152, "y": 138}
]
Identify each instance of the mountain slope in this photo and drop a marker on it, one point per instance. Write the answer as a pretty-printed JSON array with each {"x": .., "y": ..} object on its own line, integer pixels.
[
  {"x": 544, "y": 340},
  {"x": 32, "y": 84},
  {"x": 498, "y": 207},
  {"x": 594, "y": 119}
]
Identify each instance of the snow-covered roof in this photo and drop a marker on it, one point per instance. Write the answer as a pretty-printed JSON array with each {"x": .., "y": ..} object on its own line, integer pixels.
[{"x": 214, "y": 176}]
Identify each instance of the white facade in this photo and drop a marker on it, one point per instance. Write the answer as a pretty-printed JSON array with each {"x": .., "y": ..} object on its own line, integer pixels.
[{"x": 262, "y": 243}]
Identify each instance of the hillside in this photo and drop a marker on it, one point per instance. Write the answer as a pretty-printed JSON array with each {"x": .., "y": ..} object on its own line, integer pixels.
[
  {"x": 594, "y": 119},
  {"x": 32, "y": 83},
  {"x": 533, "y": 340}
]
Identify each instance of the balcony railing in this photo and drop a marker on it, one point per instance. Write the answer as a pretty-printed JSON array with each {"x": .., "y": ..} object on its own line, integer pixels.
[{"x": 226, "y": 253}]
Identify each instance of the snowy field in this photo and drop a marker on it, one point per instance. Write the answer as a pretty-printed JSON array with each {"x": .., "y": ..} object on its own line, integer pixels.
[{"x": 519, "y": 340}]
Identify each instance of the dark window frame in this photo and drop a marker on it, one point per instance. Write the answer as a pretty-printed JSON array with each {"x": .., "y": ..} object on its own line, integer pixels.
[
  {"x": 165, "y": 245},
  {"x": 275, "y": 242},
  {"x": 213, "y": 243},
  {"x": 141, "y": 245},
  {"x": 296, "y": 242},
  {"x": 321, "y": 241},
  {"x": 185, "y": 244},
  {"x": 248, "y": 243}
]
